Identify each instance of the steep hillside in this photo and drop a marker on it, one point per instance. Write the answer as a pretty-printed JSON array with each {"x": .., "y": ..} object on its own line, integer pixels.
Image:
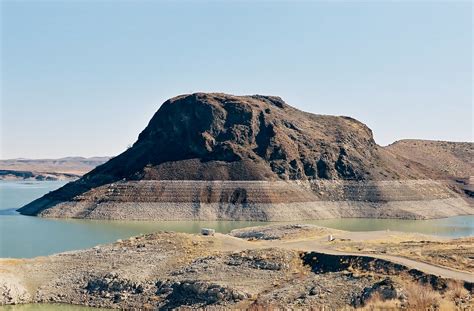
[
  {"x": 255, "y": 144},
  {"x": 223, "y": 137}
]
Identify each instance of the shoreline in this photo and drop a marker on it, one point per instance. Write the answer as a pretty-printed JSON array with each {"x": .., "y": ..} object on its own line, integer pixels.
[
  {"x": 144, "y": 220},
  {"x": 150, "y": 270},
  {"x": 253, "y": 200},
  {"x": 47, "y": 228}
]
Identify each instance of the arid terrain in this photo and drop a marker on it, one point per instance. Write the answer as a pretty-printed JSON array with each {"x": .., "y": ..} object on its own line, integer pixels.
[
  {"x": 291, "y": 266},
  {"x": 452, "y": 162},
  {"x": 443, "y": 158},
  {"x": 69, "y": 168},
  {"x": 216, "y": 156}
]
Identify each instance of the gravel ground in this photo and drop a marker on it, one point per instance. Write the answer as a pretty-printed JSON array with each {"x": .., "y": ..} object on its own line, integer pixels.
[{"x": 168, "y": 270}]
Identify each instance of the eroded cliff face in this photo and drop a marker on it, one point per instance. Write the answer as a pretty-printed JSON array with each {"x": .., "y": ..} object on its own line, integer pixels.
[
  {"x": 266, "y": 137},
  {"x": 219, "y": 137},
  {"x": 224, "y": 137}
]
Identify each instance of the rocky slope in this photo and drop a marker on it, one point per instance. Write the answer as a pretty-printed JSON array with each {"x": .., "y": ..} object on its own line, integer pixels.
[
  {"x": 452, "y": 162},
  {"x": 443, "y": 159},
  {"x": 218, "y": 156}
]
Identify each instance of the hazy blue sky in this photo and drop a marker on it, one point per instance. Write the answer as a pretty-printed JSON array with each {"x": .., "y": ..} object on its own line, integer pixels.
[{"x": 84, "y": 77}]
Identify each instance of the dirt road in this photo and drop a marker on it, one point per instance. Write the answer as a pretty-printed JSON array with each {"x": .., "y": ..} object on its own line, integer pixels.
[{"x": 321, "y": 245}]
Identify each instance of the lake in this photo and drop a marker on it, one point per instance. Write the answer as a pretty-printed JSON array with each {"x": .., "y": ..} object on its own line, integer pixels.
[{"x": 27, "y": 236}]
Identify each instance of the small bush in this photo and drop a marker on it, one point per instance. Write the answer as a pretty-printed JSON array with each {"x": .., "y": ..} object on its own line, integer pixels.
[
  {"x": 456, "y": 290},
  {"x": 376, "y": 303},
  {"x": 421, "y": 297}
]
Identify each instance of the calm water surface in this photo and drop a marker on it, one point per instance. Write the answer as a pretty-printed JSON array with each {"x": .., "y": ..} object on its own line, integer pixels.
[{"x": 26, "y": 236}]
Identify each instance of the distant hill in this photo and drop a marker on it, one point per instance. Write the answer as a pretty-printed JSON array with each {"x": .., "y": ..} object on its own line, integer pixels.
[
  {"x": 443, "y": 159},
  {"x": 449, "y": 161},
  {"x": 48, "y": 169},
  {"x": 219, "y": 156}
]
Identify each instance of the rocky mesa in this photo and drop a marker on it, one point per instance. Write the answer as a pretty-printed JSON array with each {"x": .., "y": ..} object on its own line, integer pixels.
[{"x": 217, "y": 156}]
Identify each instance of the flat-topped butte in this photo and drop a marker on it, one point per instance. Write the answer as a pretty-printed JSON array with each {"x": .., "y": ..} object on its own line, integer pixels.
[{"x": 218, "y": 156}]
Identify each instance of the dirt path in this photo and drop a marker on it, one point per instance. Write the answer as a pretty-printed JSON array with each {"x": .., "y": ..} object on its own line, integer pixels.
[
  {"x": 322, "y": 246},
  {"x": 424, "y": 267}
]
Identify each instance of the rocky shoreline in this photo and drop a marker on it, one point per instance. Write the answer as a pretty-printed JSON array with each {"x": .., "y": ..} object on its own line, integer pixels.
[
  {"x": 12, "y": 175},
  {"x": 291, "y": 266},
  {"x": 260, "y": 200}
]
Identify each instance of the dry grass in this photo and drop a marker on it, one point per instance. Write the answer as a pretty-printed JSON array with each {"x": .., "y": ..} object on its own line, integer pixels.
[
  {"x": 454, "y": 253},
  {"x": 456, "y": 290},
  {"x": 446, "y": 305},
  {"x": 376, "y": 303},
  {"x": 259, "y": 306},
  {"x": 387, "y": 305},
  {"x": 421, "y": 297}
]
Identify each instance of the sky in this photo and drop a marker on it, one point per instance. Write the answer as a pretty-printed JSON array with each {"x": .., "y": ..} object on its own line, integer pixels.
[{"x": 83, "y": 77}]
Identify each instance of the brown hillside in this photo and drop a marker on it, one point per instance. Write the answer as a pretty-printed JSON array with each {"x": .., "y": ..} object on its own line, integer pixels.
[
  {"x": 444, "y": 158},
  {"x": 218, "y": 137},
  {"x": 225, "y": 137}
]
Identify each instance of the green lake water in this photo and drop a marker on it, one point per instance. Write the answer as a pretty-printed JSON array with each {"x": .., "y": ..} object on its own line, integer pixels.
[{"x": 27, "y": 236}]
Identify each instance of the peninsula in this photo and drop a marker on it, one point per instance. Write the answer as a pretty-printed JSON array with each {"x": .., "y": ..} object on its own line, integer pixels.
[{"x": 212, "y": 156}]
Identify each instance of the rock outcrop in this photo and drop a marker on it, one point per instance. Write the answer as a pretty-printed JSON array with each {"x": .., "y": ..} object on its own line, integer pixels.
[
  {"x": 218, "y": 156},
  {"x": 178, "y": 271}
]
